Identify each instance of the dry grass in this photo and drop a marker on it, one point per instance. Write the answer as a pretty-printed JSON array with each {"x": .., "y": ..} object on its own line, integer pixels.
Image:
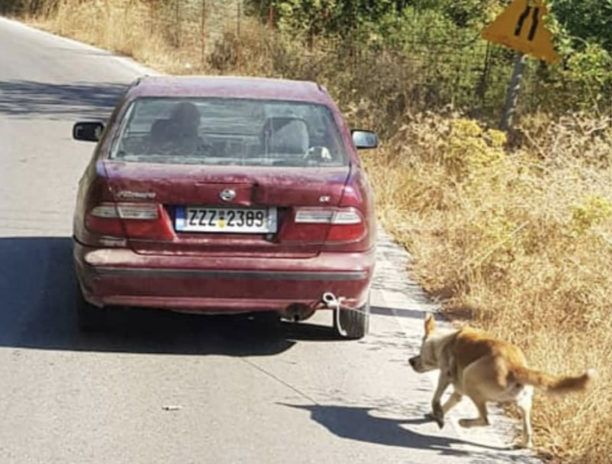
[
  {"x": 120, "y": 26},
  {"x": 519, "y": 240},
  {"x": 148, "y": 32}
]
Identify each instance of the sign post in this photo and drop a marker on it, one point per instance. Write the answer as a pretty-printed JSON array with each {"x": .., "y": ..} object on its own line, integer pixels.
[
  {"x": 521, "y": 27},
  {"x": 512, "y": 93}
]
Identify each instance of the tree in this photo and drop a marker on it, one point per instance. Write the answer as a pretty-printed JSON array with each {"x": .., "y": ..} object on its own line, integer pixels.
[{"x": 585, "y": 21}]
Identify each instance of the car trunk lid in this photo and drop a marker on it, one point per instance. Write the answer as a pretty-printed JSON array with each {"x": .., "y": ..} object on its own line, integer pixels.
[{"x": 173, "y": 189}]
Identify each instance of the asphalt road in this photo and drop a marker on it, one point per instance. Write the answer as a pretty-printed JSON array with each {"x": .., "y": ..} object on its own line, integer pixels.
[{"x": 166, "y": 388}]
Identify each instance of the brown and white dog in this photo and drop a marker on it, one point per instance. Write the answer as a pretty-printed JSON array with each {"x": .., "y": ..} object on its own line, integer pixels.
[{"x": 484, "y": 369}]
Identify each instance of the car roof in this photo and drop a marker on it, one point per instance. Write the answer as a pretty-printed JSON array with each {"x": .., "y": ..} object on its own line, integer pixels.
[{"x": 229, "y": 87}]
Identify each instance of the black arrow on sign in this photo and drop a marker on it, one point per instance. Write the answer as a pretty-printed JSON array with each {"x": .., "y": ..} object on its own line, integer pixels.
[
  {"x": 521, "y": 20},
  {"x": 535, "y": 20},
  {"x": 534, "y": 24}
]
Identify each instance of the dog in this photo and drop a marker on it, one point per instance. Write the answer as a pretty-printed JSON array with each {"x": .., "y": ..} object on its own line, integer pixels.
[{"x": 485, "y": 369}]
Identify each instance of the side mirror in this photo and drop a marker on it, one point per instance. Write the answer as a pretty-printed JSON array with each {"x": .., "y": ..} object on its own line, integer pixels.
[
  {"x": 364, "y": 139},
  {"x": 88, "y": 131}
]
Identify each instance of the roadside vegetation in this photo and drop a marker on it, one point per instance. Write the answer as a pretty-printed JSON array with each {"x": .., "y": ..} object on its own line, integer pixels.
[{"x": 512, "y": 232}]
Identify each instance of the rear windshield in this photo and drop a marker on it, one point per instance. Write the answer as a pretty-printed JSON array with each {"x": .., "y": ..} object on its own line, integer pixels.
[{"x": 221, "y": 131}]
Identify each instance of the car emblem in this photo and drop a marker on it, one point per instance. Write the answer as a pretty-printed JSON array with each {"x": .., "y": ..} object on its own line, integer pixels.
[
  {"x": 129, "y": 195},
  {"x": 227, "y": 195}
]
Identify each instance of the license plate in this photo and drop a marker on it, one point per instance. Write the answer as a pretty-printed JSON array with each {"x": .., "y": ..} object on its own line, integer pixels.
[{"x": 228, "y": 220}]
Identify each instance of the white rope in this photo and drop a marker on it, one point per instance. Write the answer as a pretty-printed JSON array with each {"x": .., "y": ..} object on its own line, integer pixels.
[{"x": 334, "y": 303}]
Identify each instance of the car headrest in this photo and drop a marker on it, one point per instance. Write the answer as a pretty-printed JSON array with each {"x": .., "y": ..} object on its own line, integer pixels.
[
  {"x": 286, "y": 135},
  {"x": 159, "y": 130}
]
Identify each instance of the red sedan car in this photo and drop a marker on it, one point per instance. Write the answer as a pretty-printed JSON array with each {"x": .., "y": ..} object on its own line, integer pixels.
[{"x": 225, "y": 195}]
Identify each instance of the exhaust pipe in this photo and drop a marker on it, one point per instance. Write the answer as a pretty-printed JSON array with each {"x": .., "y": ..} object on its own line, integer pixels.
[{"x": 297, "y": 312}]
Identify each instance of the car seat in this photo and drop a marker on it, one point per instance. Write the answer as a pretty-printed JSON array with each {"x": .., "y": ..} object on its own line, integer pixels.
[{"x": 286, "y": 136}]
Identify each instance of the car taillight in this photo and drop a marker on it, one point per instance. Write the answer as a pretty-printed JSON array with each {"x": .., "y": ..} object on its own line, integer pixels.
[
  {"x": 344, "y": 224},
  {"x": 328, "y": 216},
  {"x": 104, "y": 219},
  {"x": 125, "y": 211},
  {"x": 134, "y": 220}
]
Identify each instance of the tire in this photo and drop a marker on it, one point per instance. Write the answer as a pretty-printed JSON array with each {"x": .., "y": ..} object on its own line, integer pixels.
[
  {"x": 90, "y": 318},
  {"x": 356, "y": 324}
]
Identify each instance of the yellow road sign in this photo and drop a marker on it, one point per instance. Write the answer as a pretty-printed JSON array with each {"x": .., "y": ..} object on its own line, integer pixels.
[{"x": 521, "y": 27}]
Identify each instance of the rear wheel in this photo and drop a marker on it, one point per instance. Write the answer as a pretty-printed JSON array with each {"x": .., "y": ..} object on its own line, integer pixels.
[
  {"x": 89, "y": 317},
  {"x": 354, "y": 323}
]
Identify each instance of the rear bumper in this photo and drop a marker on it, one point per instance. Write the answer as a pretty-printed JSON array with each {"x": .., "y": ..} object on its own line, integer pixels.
[{"x": 220, "y": 284}]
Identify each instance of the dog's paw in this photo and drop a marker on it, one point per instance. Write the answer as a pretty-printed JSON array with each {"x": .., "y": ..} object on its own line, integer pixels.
[
  {"x": 436, "y": 419},
  {"x": 438, "y": 414},
  {"x": 465, "y": 422},
  {"x": 522, "y": 444}
]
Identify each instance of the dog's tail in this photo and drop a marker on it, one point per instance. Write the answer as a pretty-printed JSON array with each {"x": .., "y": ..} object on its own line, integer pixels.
[{"x": 552, "y": 383}]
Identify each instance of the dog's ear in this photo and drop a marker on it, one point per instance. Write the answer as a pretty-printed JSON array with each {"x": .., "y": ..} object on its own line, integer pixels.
[{"x": 430, "y": 324}]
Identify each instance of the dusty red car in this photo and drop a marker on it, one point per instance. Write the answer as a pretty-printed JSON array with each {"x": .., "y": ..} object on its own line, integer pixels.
[{"x": 225, "y": 195}]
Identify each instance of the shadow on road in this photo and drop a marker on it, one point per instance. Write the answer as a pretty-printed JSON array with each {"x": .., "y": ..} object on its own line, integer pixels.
[
  {"x": 358, "y": 423},
  {"x": 29, "y": 99},
  {"x": 37, "y": 294},
  {"x": 397, "y": 312}
]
